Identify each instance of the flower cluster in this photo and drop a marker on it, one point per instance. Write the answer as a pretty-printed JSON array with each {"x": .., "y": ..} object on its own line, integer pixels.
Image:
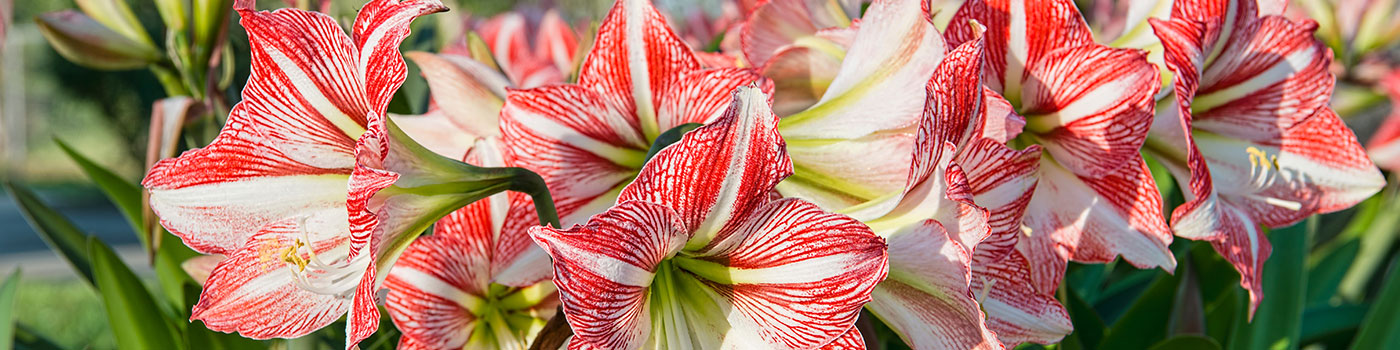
[{"x": 939, "y": 172}]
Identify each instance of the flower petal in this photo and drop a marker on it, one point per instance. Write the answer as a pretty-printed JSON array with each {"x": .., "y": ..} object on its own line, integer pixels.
[
  {"x": 877, "y": 89},
  {"x": 469, "y": 93},
  {"x": 582, "y": 148},
  {"x": 1002, "y": 180},
  {"x": 794, "y": 275},
  {"x": 1094, "y": 220},
  {"x": 1020, "y": 34},
  {"x": 256, "y": 292},
  {"x": 927, "y": 299},
  {"x": 380, "y": 26},
  {"x": 603, "y": 270},
  {"x": 780, "y": 23},
  {"x": 717, "y": 173},
  {"x": 1091, "y": 106},
  {"x": 634, "y": 58},
  {"x": 1015, "y": 310},
  {"x": 214, "y": 198},
  {"x": 433, "y": 285}
]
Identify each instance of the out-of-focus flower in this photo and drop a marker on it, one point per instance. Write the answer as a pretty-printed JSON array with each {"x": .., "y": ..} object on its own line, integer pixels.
[
  {"x": 1089, "y": 106},
  {"x": 308, "y": 190},
  {"x": 548, "y": 58},
  {"x": 477, "y": 282},
  {"x": 697, "y": 254},
  {"x": 589, "y": 140},
  {"x": 1251, "y": 136},
  {"x": 1384, "y": 145},
  {"x": 800, "y": 45}
]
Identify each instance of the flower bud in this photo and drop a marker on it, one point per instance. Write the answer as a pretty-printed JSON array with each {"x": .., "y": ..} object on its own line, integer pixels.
[{"x": 84, "y": 41}]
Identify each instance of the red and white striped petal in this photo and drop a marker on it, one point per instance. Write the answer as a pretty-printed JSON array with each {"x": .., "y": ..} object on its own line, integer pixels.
[
  {"x": 1091, "y": 106},
  {"x": 604, "y": 271},
  {"x": 1016, "y": 311},
  {"x": 379, "y": 28},
  {"x": 1244, "y": 246},
  {"x": 927, "y": 298},
  {"x": 852, "y": 340},
  {"x": 719, "y": 173},
  {"x": 634, "y": 59},
  {"x": 506, "y": 36},
  {"x": 433, "y": 288},
  {"x": 583, "y": 149},
  {"x": 277, "y": 285},
  {"x": 1094, "y": 220},
  {"x": 1002, "y": 180},
  {"x": 1020, "y": 34},
  {"x": 702, "y": 96},
  {"x": 468, "y": 92},
  {"x": 1316, "y": 167},
  {"x": 792, "y": 276},
  {"x": 216, "y": 197}
]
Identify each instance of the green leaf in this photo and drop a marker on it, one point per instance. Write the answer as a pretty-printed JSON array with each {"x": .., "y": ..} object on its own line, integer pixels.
[
  {"x": 1382, "y": 325},
  {"x": 1144, "y": 324},
  {"x": 135, "y": 317},
  {"x": 1088, "y": 327},
  {"x": 1376, "y": 242},
  {"x": 1187, "y": 342},
  {"x": 56, "y": 230},
  {"x": 1277, "y": 324},
  {"x": 1221, "y": 314},
  {"x": 125, "y": 194},
  {"x": 1320, "y": 322},
  {"x": 1325, "y": 275},
  {"x": 171, "y": 276},
  {"x": 8, "y": 290},
  {"x": 28, "y": 339}
]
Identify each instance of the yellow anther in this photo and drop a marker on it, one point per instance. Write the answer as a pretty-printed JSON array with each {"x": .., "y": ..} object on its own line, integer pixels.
[
  {"x": 290, "y": 255},
  {"x": 1260, "y": 158}
]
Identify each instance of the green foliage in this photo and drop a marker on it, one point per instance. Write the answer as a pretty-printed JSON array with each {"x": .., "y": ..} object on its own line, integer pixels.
[
  {"x": 136, "y": 324},
  {"x": 8, "y": 291}
]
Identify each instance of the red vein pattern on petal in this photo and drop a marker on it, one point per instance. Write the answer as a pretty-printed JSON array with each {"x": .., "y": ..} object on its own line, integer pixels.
[
  {"x": 253, "y": 292},
  {"x": 604, "y": 269},
  {"x": 798, "y": 274},
  {"x": 928, "y": 298},
  {"x": 719, "y": 172},
  {"x": 1016, "y": 311}
]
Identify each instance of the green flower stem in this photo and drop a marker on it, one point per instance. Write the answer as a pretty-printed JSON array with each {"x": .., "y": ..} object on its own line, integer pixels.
[{"x": 530, "y": 183}]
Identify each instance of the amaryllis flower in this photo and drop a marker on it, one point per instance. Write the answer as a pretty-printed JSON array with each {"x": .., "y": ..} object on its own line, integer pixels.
[
  {"x": 1384, "y": 145},
  {"x": 308, "y": 191},
  {"x": 471, "y": 284},
  {"x": 1089, "y": 107},
  {"x": 800, "y": 45},
  {"x": 698, "y": 254},
  {"x": 638, "y": 81},
  {"x": 953, "y": 229},
  {"x": 853, "y": 144},
  {"x": 1251, "y": 136},
  {"x": 465, "y": 104},
  {"x": 548, "y": 57}
]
